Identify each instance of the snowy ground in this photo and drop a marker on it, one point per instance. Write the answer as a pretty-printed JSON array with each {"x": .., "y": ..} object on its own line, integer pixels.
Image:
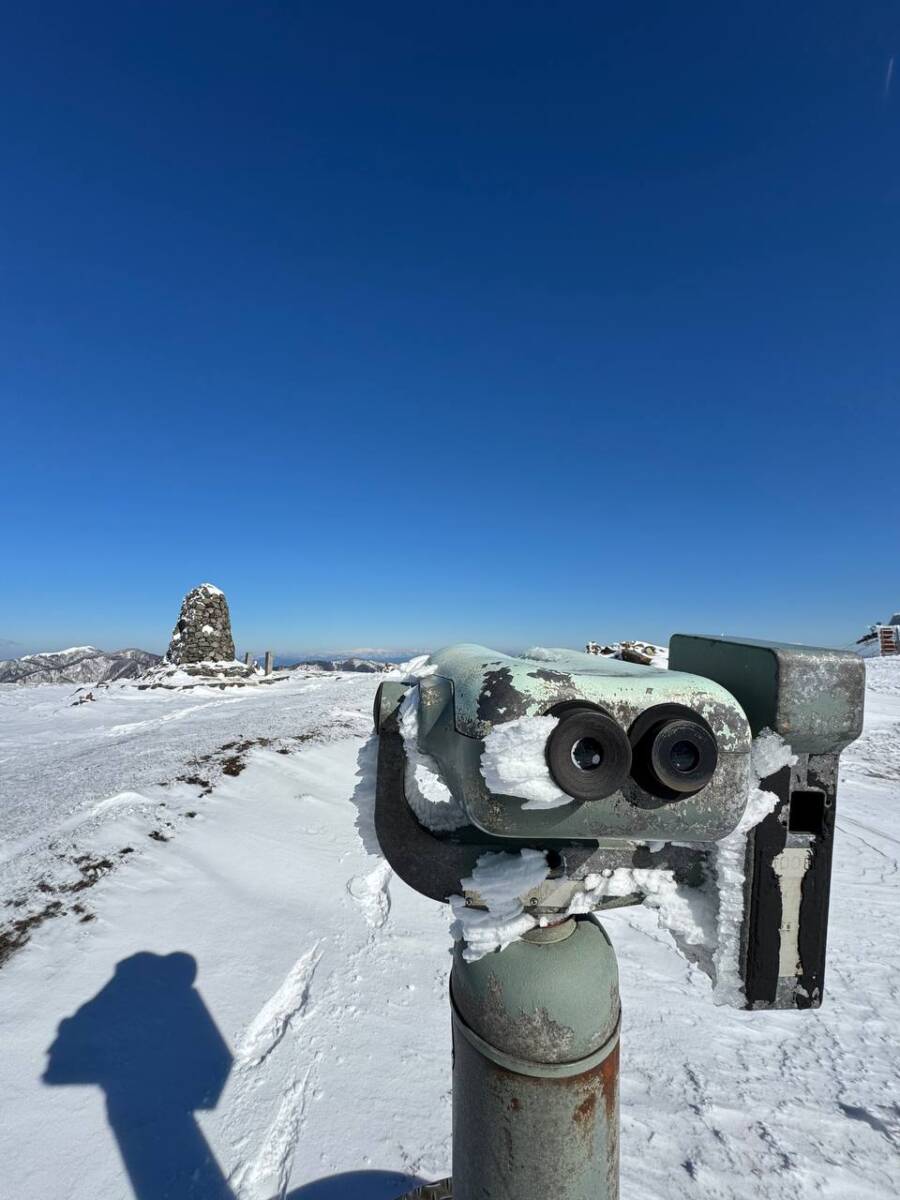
[
  {"x": 311, "y": 1056},
  {"x": 67, "y": 770}
]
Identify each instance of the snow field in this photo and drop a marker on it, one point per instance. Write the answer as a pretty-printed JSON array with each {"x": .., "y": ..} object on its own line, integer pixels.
[
  {"x": 259, "y": 891},
  {"x": 326, "y": 977}
]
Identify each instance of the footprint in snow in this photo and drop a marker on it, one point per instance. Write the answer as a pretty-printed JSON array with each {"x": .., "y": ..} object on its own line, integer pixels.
[
  {"x": 285, "y": 1005},
  {"x": 371, "y": 893},
  {"x": 270, "y": 1171}
]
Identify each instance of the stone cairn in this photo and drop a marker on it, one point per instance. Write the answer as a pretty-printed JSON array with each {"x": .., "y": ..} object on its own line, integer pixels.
[{"x": 203, "y": 631}]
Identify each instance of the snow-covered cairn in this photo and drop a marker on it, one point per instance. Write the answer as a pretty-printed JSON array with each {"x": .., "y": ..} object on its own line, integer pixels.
[{"x": 203, "y": 630}]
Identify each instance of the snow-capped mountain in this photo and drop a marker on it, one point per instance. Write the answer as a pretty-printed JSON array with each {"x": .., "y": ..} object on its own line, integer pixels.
[
  {"x": 78, "y": 664},
  {"x": 368, "y": 666}
]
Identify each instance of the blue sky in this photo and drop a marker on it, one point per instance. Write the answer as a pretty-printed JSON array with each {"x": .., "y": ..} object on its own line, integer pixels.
[{"x": 406, "y": 324}]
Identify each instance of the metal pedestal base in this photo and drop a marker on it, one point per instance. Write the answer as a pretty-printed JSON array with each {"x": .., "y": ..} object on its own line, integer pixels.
[
  {"x": 535, "y": 1070},
  {"x": 442, "y": 1190}
]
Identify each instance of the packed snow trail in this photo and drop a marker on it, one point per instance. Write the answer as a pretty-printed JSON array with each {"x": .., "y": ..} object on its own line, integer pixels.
[
  {"x": 322, "y": 980},
  {"x": 63, "y": 768},
  {"x": 255, "y": 892}
]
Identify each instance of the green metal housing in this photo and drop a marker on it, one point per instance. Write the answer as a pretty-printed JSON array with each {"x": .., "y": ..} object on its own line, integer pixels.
[
  {"x": 474, "y": 688},
  {"x": 810, "y": 695},
  {"x": 814, "y": 698}
]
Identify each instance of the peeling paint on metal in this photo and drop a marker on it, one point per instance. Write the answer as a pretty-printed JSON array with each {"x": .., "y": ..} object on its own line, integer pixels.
[
  {"x": 531, "y": 1034},
  {"x": 488, "y": 688}
]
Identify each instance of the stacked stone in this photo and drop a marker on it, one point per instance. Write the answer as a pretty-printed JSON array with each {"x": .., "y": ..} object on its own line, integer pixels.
[{"x": 203, "y": 631}]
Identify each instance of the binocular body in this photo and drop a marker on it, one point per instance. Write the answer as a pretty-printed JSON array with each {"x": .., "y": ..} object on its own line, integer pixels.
[
  {"x": 639, "y": 753},
  {"x": 648, "y": 768}
]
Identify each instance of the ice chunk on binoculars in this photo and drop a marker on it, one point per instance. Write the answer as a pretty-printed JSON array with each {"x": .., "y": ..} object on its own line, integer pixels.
[
  {"x": 426, "y": 793},
  {"x": 514, "y": 762},
  {"x": 414, "y": 668},
  {"x": 769, "y": 753},
  {"x": 501, "y": 880},
  {"x": 688, "y": 913}
]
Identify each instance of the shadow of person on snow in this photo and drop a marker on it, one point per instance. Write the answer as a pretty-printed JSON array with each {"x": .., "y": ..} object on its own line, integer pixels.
[{"x": 148, "y": 1040}]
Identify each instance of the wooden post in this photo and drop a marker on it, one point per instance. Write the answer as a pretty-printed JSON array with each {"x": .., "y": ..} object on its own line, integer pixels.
[
  {"x": 268, "y": 662},
  {"x": 246, "y": 658}
]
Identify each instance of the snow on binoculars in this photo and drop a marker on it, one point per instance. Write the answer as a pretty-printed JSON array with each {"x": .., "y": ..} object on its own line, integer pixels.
[
  {"x": 607, "y": 764},
  {"x": 631, "y": 751}
]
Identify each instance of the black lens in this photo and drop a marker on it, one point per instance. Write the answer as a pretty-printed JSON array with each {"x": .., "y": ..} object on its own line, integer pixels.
[
  {"x": 674, "y": 753},
  {"x": 684, "y": 757},
  {"x": 587, "y": 754}
]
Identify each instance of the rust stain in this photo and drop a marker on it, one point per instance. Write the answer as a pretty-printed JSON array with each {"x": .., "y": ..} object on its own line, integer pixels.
[
  {"x": 590, "y": 1099},
  {"x": 606, "y": 1073},
  {"x": 609, "y": 1072}
]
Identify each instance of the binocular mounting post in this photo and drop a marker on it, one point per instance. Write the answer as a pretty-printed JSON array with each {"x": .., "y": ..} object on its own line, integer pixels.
[{"x": 536, "y": 1069}]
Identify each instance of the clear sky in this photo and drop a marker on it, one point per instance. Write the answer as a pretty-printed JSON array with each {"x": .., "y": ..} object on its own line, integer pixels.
[{"x": 406, "y": 323}]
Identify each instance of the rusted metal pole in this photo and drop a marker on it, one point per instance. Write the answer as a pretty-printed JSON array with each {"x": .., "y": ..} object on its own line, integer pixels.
[{"x": 536, "y": 1068}]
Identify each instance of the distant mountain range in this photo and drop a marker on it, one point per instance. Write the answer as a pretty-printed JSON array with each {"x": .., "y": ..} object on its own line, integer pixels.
[
  {"x": 78, "y": 664},
  {"x": 366, "y": 665},
  {"x": 87, "y": 664}
]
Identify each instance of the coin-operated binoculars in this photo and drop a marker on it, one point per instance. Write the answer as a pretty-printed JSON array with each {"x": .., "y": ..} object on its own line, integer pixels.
[{"x": 640, "y": 770}]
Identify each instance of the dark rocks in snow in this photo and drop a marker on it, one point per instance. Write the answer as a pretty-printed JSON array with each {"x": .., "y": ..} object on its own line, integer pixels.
[
  {"x": 203, "y": 630},
  {"x": 223, "y": 669},
  {"x": 645, "y": 653}
]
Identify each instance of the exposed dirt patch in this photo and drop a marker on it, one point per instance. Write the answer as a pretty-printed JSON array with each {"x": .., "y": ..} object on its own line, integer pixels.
[
  {"x": 90, "y": 869},
  {"x": 244, "y": 744},
  {"x": 49, "y": 900},
  {"x": 196, "y": 781},
  {"x": 235, "y": 762},
  {"x": 14, "y": 936},
  {"x": 229, "y": 758}
]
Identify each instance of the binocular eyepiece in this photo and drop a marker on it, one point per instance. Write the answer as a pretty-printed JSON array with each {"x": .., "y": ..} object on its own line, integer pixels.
[
  {"x": 670, "y": 752},
  {"x": 588, "y": 754}
]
